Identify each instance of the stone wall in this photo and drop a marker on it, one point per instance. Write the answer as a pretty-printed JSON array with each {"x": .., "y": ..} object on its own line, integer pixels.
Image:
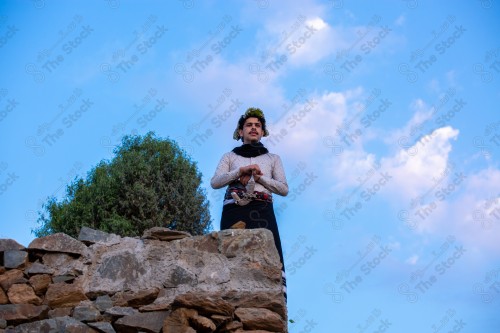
[{"x": 165, "y": 281}]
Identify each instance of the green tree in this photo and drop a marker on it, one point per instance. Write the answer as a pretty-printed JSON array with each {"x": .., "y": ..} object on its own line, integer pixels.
[{"x": 150, "y": 182}]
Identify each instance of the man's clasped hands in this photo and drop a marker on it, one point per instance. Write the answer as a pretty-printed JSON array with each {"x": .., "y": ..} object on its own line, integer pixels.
[{"x": 247, "y": 171}]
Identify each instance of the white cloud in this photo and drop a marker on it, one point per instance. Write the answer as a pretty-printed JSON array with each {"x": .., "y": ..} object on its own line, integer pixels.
[
  {"x": 472, "y": 214},
  {"x": 313, "y": 42},
  {"x": 416, "y": 169},
  {"x": 422, "y": 114},
  {"x": 310, "y": 122}
]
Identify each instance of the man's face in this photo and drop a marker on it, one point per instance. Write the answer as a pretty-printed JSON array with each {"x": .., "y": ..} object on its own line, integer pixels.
[{"x": 252, "y": 130}]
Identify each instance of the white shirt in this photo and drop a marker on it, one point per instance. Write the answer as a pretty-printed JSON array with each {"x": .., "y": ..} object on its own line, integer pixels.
[{"x": 272, "y": 180}]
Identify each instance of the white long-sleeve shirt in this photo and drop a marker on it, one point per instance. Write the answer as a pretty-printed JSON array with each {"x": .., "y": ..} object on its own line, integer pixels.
[{"x": 272, "y": 180}]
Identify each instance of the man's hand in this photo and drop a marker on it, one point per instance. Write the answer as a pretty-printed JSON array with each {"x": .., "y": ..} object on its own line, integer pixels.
[
  {"x": 249, "y": 170},
  {"x": 244, "y": 179}
]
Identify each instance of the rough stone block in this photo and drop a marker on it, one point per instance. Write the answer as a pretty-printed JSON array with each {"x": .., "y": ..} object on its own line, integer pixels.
[
  {"x": 10, "y": 244},
  {"x": 211, "y": 303},
  {"x": 164, "y": 234},
  {"x": 19, "y": 313},
  {"x": 23, "y": 294},
  {"x": 3, "y": 297},
  {"x": 92, "y": 236},
  {"x": 119, "y": 311},
  {"x": 15, "y": 259},
  {"x": 58, "y": 242},
  {"x": 104, "y": 327},
  {"x": 86, "y": 313},
  {"x": 260, "y": 319},
  {"x": 63, "y": 295},
  {"x": 40, "y": 283},
  {"x": 10, "y": 277},
  {"x": 60, "y": 324},
  {"x": 148, "y": 321},
  {"x": 38, "y": 268},
  {"x": 104, "y": 302},
  {"x": 135, "y": 299}
]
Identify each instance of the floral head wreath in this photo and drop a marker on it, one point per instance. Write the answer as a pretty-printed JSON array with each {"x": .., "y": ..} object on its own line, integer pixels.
[{"x": 250, "y": 112}]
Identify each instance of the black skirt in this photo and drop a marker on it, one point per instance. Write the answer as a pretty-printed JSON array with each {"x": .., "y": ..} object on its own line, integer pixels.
[{"x": 256, "y": 214}]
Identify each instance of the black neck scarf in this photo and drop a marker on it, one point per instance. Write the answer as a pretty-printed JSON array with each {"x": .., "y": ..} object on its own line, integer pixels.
[{"x": 251, "y": 149}]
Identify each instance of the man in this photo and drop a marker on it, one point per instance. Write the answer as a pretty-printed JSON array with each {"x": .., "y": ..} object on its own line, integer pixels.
[{"x": 251, "y": 175}]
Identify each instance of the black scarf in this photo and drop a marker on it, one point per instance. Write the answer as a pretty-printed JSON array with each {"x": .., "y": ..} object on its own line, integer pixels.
[{"x": 251, "y": 149}]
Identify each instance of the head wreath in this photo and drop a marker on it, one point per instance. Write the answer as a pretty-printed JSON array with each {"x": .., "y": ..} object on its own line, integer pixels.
[{"x": 250, "y": 112}]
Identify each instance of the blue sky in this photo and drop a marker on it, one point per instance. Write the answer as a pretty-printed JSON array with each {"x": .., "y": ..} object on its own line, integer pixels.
[{"x": 384, "y": 113}]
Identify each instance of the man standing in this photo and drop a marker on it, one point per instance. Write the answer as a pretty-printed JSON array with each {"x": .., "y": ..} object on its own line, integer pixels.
[{"x": 251, "y": 175}]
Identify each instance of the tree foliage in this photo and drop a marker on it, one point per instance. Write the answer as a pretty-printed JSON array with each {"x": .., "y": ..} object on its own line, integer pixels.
[{"x": 150, "y": 182}]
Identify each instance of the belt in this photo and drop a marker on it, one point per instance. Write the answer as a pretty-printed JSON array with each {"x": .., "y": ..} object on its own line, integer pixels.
[{"x": 256, "y": 195}]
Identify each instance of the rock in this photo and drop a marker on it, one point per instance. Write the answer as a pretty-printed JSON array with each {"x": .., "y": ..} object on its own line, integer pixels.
[
  {"x": 205, "y": 243},
  {"x": 9, "y": 244},
  {"x": 86, "y": 313},
  {"x": 70, "y": 325},
  {"x": 254, "y": 244},
  {"x": 180, "y": 275},
  {"x": 38, "y": 268},
  {"x": 232, "y": 326},
  {"x": 273, "y": 301},
  {"x": 92, "y": 236},
  {"x": 63, "y": 278},
  {"x": 123, "y": 266},
  {"x": 19, "y": 313},
  {"x": 3, "y": 323},
  {"x": 260, "y": 319},
  {"x": 164, "y": 234},
  {"x": 135, "y": 299},
  {"x": 220, "y": 320},
  {"x": 10, "y": 277},
  {"x": 62, "y": 294},
  {"x": 103, "y": 327},
  {"x": 59, "y": 242},
  {"x": 63, "y": 264},
  {"x": 155, "y": 307},
  {"x": 15, "y": 259},
  {"x": 194, "y": 283},
  {"x": 3, "y": 297},
  {"x": 55, "y": 325},
  {"x": 23, "y": 294},
  {"x": 40, "y": 283},
  {"x": 60, "y": 312},
  {"x": 46, "y": 326},
  {"x": 202, "y": 324},
  {"x": 104, "y": 302},
  {"x": 148, "y": 321},
  {"x": 178, "y": 321},
  {"x": 118, "y": 311},
  {"x": 253, "y": 331},
  {"x": 211, "y": 303}
]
